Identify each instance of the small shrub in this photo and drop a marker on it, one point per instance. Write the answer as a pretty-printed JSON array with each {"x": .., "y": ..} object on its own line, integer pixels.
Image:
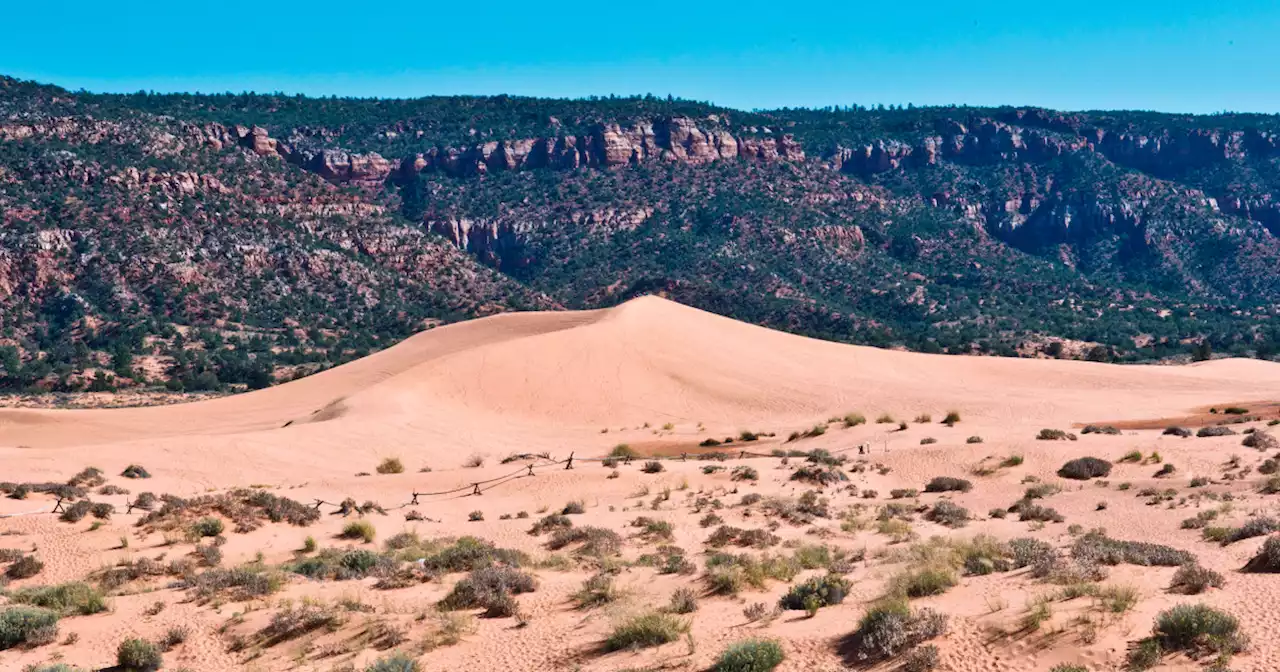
[
  {"x": 595, "y": 541},
  {"x": 854, "y": 419},
  {"x": 1095, "y": 547},
  {"x": 396, "y": 662},
  {"x": 1267, "y": 559},
  {"x": 596, "y": 591},
  {"x": 68, "y": 599},
  {"x": 1167, "y": 470},
  {"x": 1192, "y": 579},
  {"x": 826, "y": 590},
  {"x": 1099, "y": 429},
  {"x": 1085, "y": 468},
  {"x": 949, "y": 514},
  {"x": 891, "y": 627},
  {"x": 475, "y": 516},
  {"x": 135, "y": 471},
  {"x": 948, "y": 484},
  {"x": 683, "y": 601},
  {"x": 751, "y": 655},
  {"x": 136, "y": 655},
  {"x": 923, "y": 581},
  {"x": 951, "y": 419},
  {"x": 653, "y": 467},
  {"x": 208, "y": 526},
  {"x": 973, "y": 439},
  {"x": 391, "y": 465},
  {"x": 645, "y": 630},
  {"x": 475, "y": 461},
  {"x": 921, "y": 659},
  {"x": 359, "y": 529},
  {"x": 490, "y": 588},
  {"x": 623, "y": 450},
  {"x": 1215, "y": 430},
  {"x": 29, "y": 626},
  {"x": 928, "y": 440},
  {"x": 744, "y": 473},
  {"x": 1054, "y": 435},
  {"x": 903, "y": 493},
  {"x": 1177, "y": 431},
  {"x": 24, "y": 567}
]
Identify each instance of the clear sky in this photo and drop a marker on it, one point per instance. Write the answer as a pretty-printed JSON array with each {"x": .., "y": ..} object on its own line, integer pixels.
[{"x": 1170, "y": 55}]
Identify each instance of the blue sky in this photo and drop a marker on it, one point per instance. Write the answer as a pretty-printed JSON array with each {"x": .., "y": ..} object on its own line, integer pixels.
[{"x": 1170, "y": 55}]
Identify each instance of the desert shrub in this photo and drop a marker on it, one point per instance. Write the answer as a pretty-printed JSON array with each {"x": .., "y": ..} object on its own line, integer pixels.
[
  {"x": 27, "y": 625},
  {"x": 1177, "y": 431},
  {"x": 751, "y": 498},
  {"x": 1267, "y": 558},
  {"x": 645, "y": 630},
  {"x": 1192, "y": 579},
  {"x": 949, "y": 514},
  {"x": 475, "y": 516},
  {"x": 652, "y": 467},
  {"x": 823, "y": 591},
  {"x": 750, "y": 655},
  {"x": 1028, "y": 510},
  {"x": 819, "y": 475},
  {"x": 921, "y": 659},
  {"x": 206, "y": 527},
  {"x": 1085, "y": 468},
  {"x": 930, "y": 579},
  {"x": 928, "y": 440},
  {"x": 1216, "y": 430},
  {"x": 135, "y": 471},
  {"x": 1263, "y": 441},
  {"x": 1099, "y": 429},
  {"x": 1134, "y": 456},
  {"x": 1194, "y": 628},
  {"x": 1167, "y": 470},
  {"x": 136, "y": 655},
  {"x": 973, "y": 439},
  {"x": 948, "y": 484},
  {"x": 728, "y": 574},
  {"x": 1040, "y": 491},
  {"x": 391, "y": 465},
  {"x": 884, "y": 419},
  {"x": 709, "y": 443},
  {"x": 474, "y": 461},
  {"x": 622, "y": 450},
  {"x": 651, "y": 528},
  {"x": 396, "y": 662},
  {"x": 244, "y": 582},
  {"x": 24, "y": 567},
  {"x": 1097, "y": 548},
  {"x": 951, "y": 419},
  {"x": 1254, "y": 527},
  {"x": 744, "y": 473},
  {"x": 490, "y": 588},
  {"x": 1026, "y": 551},
  {"x": 854, "y": 419},
  {"x": 891, "y": 627},
  {"x": 683, "y": 601},
  {"x": 1011, "y": 461},
  {"x": 998, "y": 512},
  {"x": 359, "y": 529},
  {"x": 596, "y": 591},
  {"x": 76, "y": 512},
  {"x": 554, "y": 521},
  {"x": 1054, "y": 435},
  {"x": 595, "y": 541},
  {"x": 573, "y": 508},
  {"x": 903, "y": 493},
  {"x": 68, "y": 599}
]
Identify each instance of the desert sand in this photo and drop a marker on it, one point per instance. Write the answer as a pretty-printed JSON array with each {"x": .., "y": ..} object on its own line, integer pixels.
[{"x": 662, "y": 379}]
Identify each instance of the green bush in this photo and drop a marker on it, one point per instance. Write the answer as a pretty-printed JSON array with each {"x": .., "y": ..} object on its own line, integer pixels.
[
  {"x": 826, "y": 590},
  {"x": 891, "y": 627},
  {"x": 1085, "y": 468},
  {"x": 645, "y": 630},
  {"x": 396, "y": 662},
  {"x": 138, "y": 655},
  {"x": 1192, "y": 579},
  {"x": 622, "y": 450},
  {"x": 490, "y": 588},
  {"x": 751, "y": 655},
  {"x": 923, "y": 581},
  {"x": 26, "y": 625},
  {"x": 208, "y": 526},
  {"x": 948, "y": 484},
  {"x": 71, "y": 598},
  {"x": 1055, "y": 435},
  {"x": 24, "y": 567},
  {"x": 391, "y": 465}
]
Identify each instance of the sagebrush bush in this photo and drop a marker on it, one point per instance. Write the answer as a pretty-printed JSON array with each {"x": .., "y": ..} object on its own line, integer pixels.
[
  {"x": 1099, "y": 429},
  {"x": 1097, "y": 548},
  {"x": 949, "y": 514},
  {"x": 653, "y": 467},
  {"x": 596, "y": 591},
  {"x": 922, "y": 659},
  {"x": 1193, "y": 579},
  {"x": 683, "y": 601},
  {"x": 595, "y": 541},
  {"x": 135, "y": 471},
  {"x": 948, "y": 484},
  {"x": 891, "y": 627},
  {"x": 396, "y": 662},
  {"x": 138, "y": 655},
  {"x": 1177, "y": 431},
  {"x": 27, "y": 625},
  {"x": 1268, "y": 557},
  {"x": 490, "y": 588},
  {"x": 1215, "y": 430},
  {"x": 1194, "y": 628},
  {"x": 645, "y": 630},
  {"x": 932, "y": 579},
  {"x": 1085, "y": 468},
  {"x": 750, "y": 655},
  {"x": 1055, "y": 435},
  {"x": 207, "y": 527},
  {"x": 24, "y": 567}
]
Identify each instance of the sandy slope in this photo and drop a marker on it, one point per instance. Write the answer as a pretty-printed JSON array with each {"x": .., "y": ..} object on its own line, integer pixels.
[{"x": 555, "y": 382}]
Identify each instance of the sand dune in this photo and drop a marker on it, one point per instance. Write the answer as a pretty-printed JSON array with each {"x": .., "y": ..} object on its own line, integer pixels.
[{"x": 663, "y": 377}]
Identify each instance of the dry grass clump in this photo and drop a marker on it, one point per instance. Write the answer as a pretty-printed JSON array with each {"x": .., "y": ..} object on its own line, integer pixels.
[
  {"x": 653, "y": 529},
  {"x": 890, "y": 628},
  {"x": 1085, "y": 468},
  {"x": 948, "y": 484},
  {"x": 729, "y": 574},
  {"x": 645, "y": 630},
  {"x": 239, "y": 583},
  {"x": 293, "y": 621},
  {"x": 490, "y": 588},
  {"x": 24, "y": 567},
  {"x": 667, "y": 559},
  {"x": 596, "y": 591},
  {"x": 755, "y": 538},
  {"x": 359, "y": 529},
  {"x": 683, "y": 601}
]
